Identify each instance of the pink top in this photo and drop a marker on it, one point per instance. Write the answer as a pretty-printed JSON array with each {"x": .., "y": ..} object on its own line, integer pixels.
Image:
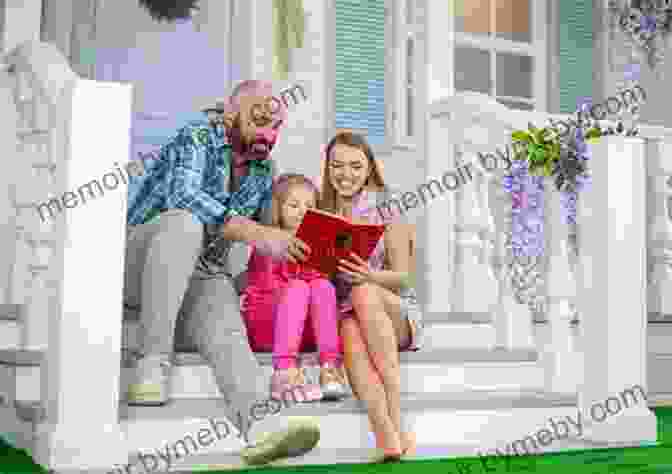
[{"x": 266, "y": 275}]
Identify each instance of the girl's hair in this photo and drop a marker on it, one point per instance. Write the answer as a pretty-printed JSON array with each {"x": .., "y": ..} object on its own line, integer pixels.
[
  {"x": 281, "y": 188},
  {"x": 374, "y": 182}
]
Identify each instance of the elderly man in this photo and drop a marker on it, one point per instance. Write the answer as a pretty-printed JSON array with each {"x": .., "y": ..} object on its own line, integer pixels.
[{"x": 208, "y": 187}]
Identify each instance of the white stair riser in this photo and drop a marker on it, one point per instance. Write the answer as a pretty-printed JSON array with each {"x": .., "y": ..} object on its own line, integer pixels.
[
  {"x": 459, "y": 336},
  {"x": 10, "y": 334},
  {"x": 198, "y": 381},
  {"x": 436, "y": 336},
  {"x": 487, "y": 429},
  {"x": 21, "y": 383}
]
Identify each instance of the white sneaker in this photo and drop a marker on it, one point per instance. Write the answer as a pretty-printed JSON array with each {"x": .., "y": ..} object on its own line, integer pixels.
[
  {"x": 332, "y": 383},
  {"x": 299, "y": 437},
  {"x": 150, "y": 384}
]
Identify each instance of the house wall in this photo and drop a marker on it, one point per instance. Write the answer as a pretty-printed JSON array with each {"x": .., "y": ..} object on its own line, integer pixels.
[{"x": 310, "y": 124}]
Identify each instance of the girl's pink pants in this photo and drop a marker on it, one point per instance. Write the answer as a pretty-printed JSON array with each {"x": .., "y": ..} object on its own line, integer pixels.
[{"x": 277, "y": 323}]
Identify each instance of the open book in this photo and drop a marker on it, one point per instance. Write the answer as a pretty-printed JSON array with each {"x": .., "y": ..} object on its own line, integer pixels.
[{"x": 333, "y": 237}]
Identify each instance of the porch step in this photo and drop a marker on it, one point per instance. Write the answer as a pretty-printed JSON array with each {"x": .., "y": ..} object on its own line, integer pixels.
[
  {"x": 437, "y": 371},
  {"x": 457, "y": 333},
  {"x": 446, "y": 330},
  {"x": 473, "y": 420},
  {"x": 432, "y": 371}
]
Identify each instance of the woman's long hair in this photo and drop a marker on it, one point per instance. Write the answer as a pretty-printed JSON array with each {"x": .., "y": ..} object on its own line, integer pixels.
[{"x": 373, "y": 183}]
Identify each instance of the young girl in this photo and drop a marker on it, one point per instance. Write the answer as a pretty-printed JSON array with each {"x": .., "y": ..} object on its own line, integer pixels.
[{"x": 281, "y": 296}]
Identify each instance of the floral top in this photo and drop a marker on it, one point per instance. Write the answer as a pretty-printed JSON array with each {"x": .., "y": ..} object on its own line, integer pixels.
[{"x": 193, "y": 171}]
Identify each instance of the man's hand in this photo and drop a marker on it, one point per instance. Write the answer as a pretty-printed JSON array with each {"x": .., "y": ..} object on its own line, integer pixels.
[{"x": 280, "y": 243}]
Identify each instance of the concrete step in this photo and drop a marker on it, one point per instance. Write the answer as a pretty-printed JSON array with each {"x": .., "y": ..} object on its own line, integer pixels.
[
  {"x": 469, "y": 422},
  {"x": 460, "y": 333},
  {"x": 435, "y": 371}
]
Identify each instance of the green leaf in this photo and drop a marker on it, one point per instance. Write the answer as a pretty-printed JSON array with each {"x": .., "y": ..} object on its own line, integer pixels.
[
  {"x": 521, "y": 136},
  {"x": 593, "y": 133}
]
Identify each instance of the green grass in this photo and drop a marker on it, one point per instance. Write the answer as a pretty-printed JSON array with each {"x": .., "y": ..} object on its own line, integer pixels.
[{"x": 644, "y": 460}]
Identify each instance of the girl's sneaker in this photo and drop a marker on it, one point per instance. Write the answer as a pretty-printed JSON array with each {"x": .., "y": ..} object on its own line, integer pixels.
[
  {"x": 291, "y": 384},
  {"x": 332, "y": 383}
]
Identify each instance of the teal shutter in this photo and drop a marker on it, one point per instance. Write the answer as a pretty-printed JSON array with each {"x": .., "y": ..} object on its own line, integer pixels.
[
  {"x": 576, "y": 52},
  {"x": 360, "y": 67}
]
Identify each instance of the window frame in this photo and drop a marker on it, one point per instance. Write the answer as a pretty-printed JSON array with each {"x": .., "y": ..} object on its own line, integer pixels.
[
  {"x": 400, "y": 32},
  {"x": 537, "y": 49},
  {"x": 393, "y": 139}
]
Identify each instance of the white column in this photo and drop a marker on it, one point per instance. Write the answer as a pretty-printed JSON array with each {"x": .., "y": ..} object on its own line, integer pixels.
[
  {"x": 474, "y": 285},
  {"x": 58, "y": 24},
  {"x": 81, "y": 376},
  {"x": 659, "y": 213},
  {"x": 439, "y": 235},
  {"x": 559, "y": 359},
  {"x": 19, "y": 22},
  {"x": 613, "y": 279},
  {"x": 253, "y": 33},
  {"x": 439, "y": 26},
  {"x": 8, "y": 149}
]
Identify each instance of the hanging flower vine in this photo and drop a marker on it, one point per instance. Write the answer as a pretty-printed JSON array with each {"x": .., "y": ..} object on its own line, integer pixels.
[
  {"x": 646, "y": 24},
  {"x": 539, "y": 153}
]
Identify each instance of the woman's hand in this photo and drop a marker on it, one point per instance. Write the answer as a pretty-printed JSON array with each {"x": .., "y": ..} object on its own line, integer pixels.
[{"x": 357, "y": 270}]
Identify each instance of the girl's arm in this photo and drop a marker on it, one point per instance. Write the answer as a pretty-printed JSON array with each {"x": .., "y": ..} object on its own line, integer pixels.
[{"x": 398, "y": 240}]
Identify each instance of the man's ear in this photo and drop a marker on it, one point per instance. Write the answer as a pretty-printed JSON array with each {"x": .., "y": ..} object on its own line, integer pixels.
[{"x": 230, "y": 119}]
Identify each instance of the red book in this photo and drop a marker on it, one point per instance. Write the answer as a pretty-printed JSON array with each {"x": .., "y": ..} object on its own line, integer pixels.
[{"x": 333, "y": 237}]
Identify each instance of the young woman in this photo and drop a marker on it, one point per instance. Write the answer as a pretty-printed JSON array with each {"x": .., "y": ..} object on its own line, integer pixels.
[{"x": 379, "y": 311}]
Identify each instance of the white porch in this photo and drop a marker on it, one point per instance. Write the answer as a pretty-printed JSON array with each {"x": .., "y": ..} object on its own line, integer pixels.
[{"x": 488, "y": 375}]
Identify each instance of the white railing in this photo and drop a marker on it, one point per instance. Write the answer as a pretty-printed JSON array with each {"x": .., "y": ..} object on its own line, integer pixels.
[
  {"x": 608, "y": 282},
  {"x": 69, "y": 131}
]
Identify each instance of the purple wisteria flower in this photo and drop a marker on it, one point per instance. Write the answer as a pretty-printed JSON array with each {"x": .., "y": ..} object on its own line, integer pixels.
[
  {"x": 648, "y": 23},
  {"x": 633, "y": 72},
  {"x": 583, "y": 104},
  {"x": 526, "y": 217}
]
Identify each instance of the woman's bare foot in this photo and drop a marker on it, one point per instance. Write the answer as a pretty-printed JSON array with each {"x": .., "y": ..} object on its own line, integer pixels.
[
  {"x": 388, "y": 445},
  {"x": 408, "y": 443}
]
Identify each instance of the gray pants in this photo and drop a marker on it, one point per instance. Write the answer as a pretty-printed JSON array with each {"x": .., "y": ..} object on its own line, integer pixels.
[{"x": 161, "y": 279}]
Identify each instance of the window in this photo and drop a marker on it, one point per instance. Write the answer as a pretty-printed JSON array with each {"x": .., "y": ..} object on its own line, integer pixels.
[
  {"x": 500, "y": 49},
  {"x": 575, "y": 53},
  {"x": 376, "y": 47},
  {"x": 359, "y": 98}
]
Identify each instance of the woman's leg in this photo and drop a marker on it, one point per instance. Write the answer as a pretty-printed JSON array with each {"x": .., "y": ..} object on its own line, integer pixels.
[
  {"x": 323, "y": 314},
  {"x": 290, "y": 319},
  {"x": 382, "y": 344},
  {"x": 392, "y": 303},
  {"x": 368, "y": 386}
]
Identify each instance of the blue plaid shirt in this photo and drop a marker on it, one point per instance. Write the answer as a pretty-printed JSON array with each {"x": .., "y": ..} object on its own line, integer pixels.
[{"x": 193, "y": 171}]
